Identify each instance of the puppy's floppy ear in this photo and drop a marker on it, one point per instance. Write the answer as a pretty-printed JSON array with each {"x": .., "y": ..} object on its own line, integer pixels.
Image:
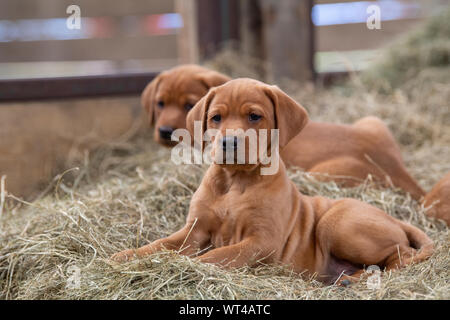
[
  {"x": 290, "y": 116},
  {"x": 199, "y": 113},
  {"x": 212, "y": 78},
  {"x": 148, "y": 98}
]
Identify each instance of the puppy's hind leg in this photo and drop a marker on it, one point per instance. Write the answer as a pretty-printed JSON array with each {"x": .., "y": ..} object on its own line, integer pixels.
[
  {"x": 420, "y": 248},
  {"x": 403, "y": 256},
  {"x": 363, "y": 235},
  {"x": 387, "y": 155},
  {"x": 346, "y": 171}
]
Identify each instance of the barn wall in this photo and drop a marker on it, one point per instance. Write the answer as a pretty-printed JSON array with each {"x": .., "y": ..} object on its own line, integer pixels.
[{"x": 39, "y": 139}]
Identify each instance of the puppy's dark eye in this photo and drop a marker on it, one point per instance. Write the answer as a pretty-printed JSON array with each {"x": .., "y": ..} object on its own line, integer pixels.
[
  {"x": 160, "y": 104},
  {"x": 188, "y": 106},
  {"x": 253, "y": 117},
  {"x": 216, "y": 118}
]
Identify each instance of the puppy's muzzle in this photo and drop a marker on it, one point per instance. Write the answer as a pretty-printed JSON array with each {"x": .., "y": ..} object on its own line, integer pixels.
[
  {"x": 229, "y": 143},
  {"x": 166, "y": 132}
]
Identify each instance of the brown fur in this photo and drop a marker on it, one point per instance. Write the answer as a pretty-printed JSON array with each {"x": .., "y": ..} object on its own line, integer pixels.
[
  {"x": 438, "y": 199},
  {"x": 344, "y": 153},
  {"x": 177, "y": 88},
  {"x": 245, "y": 218},
  {"x": 350, "y": 153}
]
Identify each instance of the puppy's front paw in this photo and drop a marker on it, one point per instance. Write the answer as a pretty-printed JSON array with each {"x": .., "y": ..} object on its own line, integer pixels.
[
  {"x": 124, "y": 256},
  {"x": 345, "y": 283}
]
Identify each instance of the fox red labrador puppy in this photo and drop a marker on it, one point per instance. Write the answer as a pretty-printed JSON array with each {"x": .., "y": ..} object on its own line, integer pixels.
[
  {"x": 438, "y": 199},
  {"x": 170, "y": 96},
  {"x": 345, "y": 153},
  {"x": 240, "y": 217}
]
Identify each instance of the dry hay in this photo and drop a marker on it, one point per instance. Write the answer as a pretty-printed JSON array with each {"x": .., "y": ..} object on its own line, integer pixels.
[{"x": 128, "y": 194}]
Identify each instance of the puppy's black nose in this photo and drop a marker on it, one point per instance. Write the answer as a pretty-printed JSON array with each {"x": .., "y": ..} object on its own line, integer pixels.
[
  {"x": 229, "y": 142},
  {"x": 165, "y": 132}
]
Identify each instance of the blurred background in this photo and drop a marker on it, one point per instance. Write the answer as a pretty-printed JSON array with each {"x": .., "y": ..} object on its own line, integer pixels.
[
  {"x": 66, "y": 91},
  {"x": 136, "y": 35}
]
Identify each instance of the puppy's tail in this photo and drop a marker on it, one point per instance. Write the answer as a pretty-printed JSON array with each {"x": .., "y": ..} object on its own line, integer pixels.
[{"x": 419, "y": 241}]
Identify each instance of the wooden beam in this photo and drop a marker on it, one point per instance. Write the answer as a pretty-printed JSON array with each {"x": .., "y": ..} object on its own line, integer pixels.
[
  {"x": 118, "y": 48},
  {"x": 42, "y": 9},
  {"x": 72, "y": 87},
  {"x": 356, "y": 36}
]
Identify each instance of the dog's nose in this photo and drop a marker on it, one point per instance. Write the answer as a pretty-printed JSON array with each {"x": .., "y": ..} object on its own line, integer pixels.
[
  {"x": 166, "y": 132},
  {"x": 229, "y": 142}
]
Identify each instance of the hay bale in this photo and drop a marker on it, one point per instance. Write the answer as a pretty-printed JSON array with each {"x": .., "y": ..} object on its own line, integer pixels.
[
  {"x": 141, "y": 197},
  {"x": 427, "y": 48}
]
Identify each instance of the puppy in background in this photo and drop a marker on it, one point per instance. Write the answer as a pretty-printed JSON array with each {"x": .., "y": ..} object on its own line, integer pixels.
[
  {"x": 239, "y": 217},
  {"x": 169, "y": 97},
  {"x": 438, "y": 199}
]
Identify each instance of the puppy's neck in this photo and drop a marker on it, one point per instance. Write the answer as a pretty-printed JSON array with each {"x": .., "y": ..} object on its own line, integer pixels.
[{"x": 226, "y": 177}]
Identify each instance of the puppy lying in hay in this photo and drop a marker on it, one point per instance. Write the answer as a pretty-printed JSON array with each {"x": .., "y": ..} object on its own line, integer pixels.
[{"x": 249, "y": 218}]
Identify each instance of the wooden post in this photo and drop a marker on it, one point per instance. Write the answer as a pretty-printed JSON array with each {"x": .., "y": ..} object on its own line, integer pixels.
[
  {"x": 278, "y": 32},
  {"x": 252, "y": 41},
  {"x": 188, "y": 37},
  {"x": 289, "y": 39},
  {"x": 207, "y": 25}
]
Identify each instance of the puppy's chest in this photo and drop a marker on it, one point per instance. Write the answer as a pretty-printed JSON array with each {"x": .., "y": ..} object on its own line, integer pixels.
[
  {"x": 232, "y": 205},
  {"x": 232, "y": 213}
]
